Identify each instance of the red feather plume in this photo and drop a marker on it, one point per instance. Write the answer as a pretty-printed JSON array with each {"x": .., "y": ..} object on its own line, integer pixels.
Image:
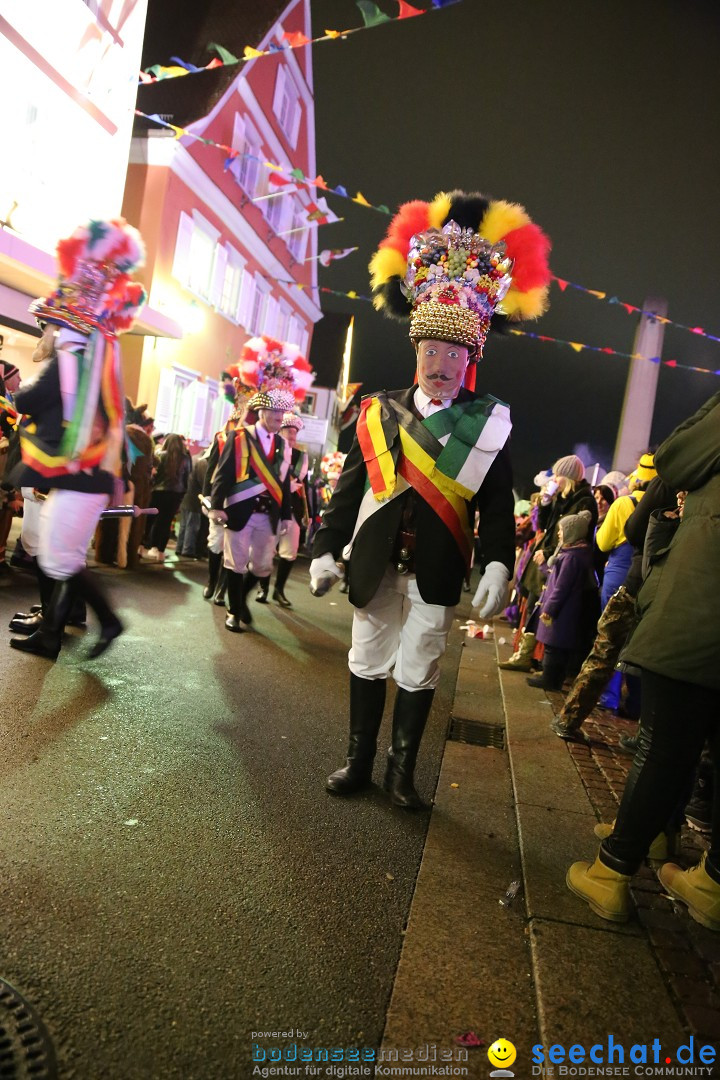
[
  {"x": 411, "y": 218},
  {"x": 529, "y": 247}
]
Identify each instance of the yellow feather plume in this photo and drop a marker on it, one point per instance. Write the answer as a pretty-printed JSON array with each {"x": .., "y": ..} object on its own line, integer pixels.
[
  {"x": 385, "y": 264},
  {"x": 525, "y": 305},
  {"x": 500, "y": 217},
  {"x": 438, "y": 210}
]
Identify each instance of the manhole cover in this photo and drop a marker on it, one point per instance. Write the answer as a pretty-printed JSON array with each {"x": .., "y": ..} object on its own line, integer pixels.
[
  {"x": 25, "y": 1047},
  {"x": 477, "y": 733}
]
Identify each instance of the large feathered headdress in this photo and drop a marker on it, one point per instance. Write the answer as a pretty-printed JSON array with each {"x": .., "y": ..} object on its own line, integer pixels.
[
  {"x": 268, "y": 364},
  {"x": 458, "y": 263}
]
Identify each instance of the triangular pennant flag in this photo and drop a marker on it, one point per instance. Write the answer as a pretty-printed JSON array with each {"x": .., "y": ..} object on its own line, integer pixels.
[
  {"x": 319, "y": 182},
  {"x": 613, "y": 300},
  {"x": 594, "y": 292},
  {"x": 216, "y": 62},
  {"x": 360, "y": 198},
  {"x": 297, "y": 174},
  {"x": 340, "y": 190},
  {"x": 334, "y": 33},
  {"x": 443, "y": 3},
  {"x": 352, "y": 294},
  {"x": 275, "y": 48},
  {"x": 669, "y": 363},
  {"x": 371, "y": 13},
  {"x": 697, "y": 330},
  {"x": 249, "y": 53},
  {"x": 610, "y": 352},
  {"x": 653, "y": 359},
  {"x": 383, "y": 208},
  {"x": 178, "y": 130},
  {"x": 630, "y": 308},
  {"x": 225, "y": 55},
  {"x": 278, "y": 180},
  {"x": 562, "y": 285},
  {"x": 576, "y": 345},
  {"x": 296, "y": 38},
  {"x": 184, "y": 64},
  {"x": 145, "y": 78},
  {"x": 407, "y": 10}
]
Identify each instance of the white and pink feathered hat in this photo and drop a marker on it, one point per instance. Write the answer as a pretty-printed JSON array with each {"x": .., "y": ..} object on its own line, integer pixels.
[{"x": 268, "y": 364}]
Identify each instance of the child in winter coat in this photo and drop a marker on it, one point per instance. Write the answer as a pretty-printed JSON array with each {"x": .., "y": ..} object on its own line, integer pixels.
[{"x": 571, "y": 585}]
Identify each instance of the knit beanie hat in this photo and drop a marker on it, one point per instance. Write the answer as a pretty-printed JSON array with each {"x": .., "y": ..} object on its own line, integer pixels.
[
  {"x": 570, "y": 466},
  {"x": 575, "y": 527}
]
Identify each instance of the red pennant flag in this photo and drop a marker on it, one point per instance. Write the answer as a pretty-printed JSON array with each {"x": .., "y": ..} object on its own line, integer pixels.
[
  {"x": 295, "y": 38},
  {"x": 407, "y": 10},
  {"x": 697, "y": 330},
  {"x": 670, "y": 363},
  {"x": 278, "y": 180},
  {"x": 562, "y": 285},
  {"x": 630, "y": 308},
  {"x": 610, "y": 352}
]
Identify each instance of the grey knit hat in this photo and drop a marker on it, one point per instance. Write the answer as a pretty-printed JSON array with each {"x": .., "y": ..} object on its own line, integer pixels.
[
  {"x": 575, "y": 527},
  {"x": 570, "y": 466}
]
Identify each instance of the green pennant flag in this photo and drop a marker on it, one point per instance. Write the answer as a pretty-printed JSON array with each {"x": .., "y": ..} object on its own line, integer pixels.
[
  {"x": 297, "y": 174},
  {"x": 371, "y": 13},
  {"x": 225, "y": 55}
]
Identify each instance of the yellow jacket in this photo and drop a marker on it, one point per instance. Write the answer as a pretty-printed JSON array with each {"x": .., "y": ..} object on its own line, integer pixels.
[{"x": 611, "y": 533}]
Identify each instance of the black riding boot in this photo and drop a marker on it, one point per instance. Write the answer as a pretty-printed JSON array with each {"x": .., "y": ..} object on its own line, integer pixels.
[
  {"x": 283, "y": 573},
  {"x": 249, "y": 579},
  {"x": 47, "y": 639},
  {"x": 110, "y": 626},
  {"x": 367, "y": 701},
  {"x": 27, "y": 622},
  {"x": 263, "y": 590},
  {"x": 409, "y": 718},
  {"x": 214, "y": 565},
  {"x": 235, "y": 602},
  {"x": 221, "y": 587}
]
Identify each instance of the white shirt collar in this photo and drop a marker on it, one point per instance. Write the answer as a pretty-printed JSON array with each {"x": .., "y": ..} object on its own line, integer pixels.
[
  {"x": 423, "y": 403},
  {"x": 266, "y": 437}
]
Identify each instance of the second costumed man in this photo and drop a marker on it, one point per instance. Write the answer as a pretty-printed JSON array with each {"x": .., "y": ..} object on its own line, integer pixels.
[{"x": 423, "y": 461}]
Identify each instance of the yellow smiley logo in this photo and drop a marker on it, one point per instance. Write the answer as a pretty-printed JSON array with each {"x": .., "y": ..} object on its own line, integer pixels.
[{"x": 502, "y": 1053}]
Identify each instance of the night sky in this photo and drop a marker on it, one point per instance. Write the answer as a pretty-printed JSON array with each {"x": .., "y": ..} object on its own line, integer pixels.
[{"x": 602, "y": 119}]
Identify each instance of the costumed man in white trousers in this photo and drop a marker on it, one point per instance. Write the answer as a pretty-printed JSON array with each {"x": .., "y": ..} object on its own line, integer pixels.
[
  {"x": 423, "y": 461},
  {"x": 289, "y": 540},
  {"x": 73, "y": 430},
  {"x": 251, "y": 498}
]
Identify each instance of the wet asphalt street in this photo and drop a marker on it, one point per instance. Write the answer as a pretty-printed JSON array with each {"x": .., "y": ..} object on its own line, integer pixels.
[{"x": 173, "y": 875}]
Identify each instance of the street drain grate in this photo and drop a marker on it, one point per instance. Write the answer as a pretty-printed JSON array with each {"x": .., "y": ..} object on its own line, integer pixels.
[
  {"x": 26, "y": 1052},
  {"x": 477, "y": 733}
]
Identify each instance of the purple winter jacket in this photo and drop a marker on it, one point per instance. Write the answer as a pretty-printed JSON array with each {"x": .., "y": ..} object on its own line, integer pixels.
[{"x": 571, "y": 579}]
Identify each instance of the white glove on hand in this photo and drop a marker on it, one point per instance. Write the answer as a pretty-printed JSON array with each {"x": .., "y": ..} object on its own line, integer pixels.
[
  {"x": 218, "y": 515},
  {"x": 492, "y": 590},
  {"x": 324, "y": 573}
]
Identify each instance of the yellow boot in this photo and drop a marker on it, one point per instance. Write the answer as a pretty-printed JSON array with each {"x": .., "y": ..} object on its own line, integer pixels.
[
  {"x": 606, "y": 891},
  {"x": 666, "y": 845},
  {"x": 521, "y": 659},
  {"x": 695, "y": 888}
]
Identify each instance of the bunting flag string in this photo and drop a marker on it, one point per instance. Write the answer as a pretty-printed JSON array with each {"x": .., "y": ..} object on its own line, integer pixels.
[
  {"x": 279, "y": 175},
  {"x": 631, "y": 309},
  {"x": 578, "y": 346},
  {"x": 372, "y": 17}
]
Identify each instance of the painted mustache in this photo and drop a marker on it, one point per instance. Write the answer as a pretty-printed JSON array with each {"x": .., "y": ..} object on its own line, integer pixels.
[{"x": 439, "y": 377}]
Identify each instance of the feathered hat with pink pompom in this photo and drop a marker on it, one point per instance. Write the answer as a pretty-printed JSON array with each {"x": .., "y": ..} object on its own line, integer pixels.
[
  {"x": 94, "y": 290},
  {"x": 459, "y": 263},
  {"x": 267, "y": 364}
]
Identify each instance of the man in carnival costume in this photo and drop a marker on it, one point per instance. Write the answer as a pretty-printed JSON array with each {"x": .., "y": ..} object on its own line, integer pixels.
[
  {"x": 289, "y": 541},
  {"x": 251, "y": 487},
  {"x": 424, "y": 460},
  {"x": 73, "y": 434}
]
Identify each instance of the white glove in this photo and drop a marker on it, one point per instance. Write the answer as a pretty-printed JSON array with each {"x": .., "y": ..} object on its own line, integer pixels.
[
  {"x": 218, "y": 515},
  {"x": 282, "y": 531},
  {"x": 324, "y": 573},
  {"x": 492, "y": 590}
]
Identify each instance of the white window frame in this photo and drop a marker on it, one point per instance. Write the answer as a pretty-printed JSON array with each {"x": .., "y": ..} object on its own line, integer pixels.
[
  {"x": 248, "y": 171},
  {"x": 228, "y": 303},
  {"x": 257, "y": 313},
  {"x": 297, "y": 241},
  {"x": 286, "y": 105}
]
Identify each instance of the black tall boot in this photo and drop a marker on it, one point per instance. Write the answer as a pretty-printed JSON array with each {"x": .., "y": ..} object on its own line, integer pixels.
[
  {"x": 283, "y": 573},
  {"x": 47, "y": 639},
  {"x": 367, "y": 701},
  {"x": 221, "y": 587},
  {"x": 235, "y": 602},
  {"x": 244, "y": 615},
  {"x": 263, "y": 590},
  {"x": 214, "y": 564},
  {"x": 409, "y": 718},
  {"x": 110, "y": 626},
  {"x": 28, "y": 622}
]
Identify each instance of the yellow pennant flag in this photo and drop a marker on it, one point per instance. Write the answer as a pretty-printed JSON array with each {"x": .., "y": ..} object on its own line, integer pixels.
[
  {"x": 275, "y": 168},
  {"x": 249, "y": 53},
  {"x": 178, "y": 130},
  {"x": 360, "y": 198},
  {"x": 352, "y": 294},
  {"x": 600, "y": 295},
  {"x": 576, "y": 346},
  {"x": 335, "y": 33}
]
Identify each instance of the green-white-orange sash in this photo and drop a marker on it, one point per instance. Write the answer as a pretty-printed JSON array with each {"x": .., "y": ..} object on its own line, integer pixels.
[{"x": 444, "y": 458}]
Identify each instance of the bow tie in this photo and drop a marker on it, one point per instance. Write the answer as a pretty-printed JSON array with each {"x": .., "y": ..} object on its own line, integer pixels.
[{"x": 436, "y": 401}]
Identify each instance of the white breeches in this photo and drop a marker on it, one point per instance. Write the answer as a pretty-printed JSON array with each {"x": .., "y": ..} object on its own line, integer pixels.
[
  {"x": 398, "y": 633},
  {"x": 216, "y": 537},
  {"x": 252, "y": 548},
  {"x": 67, "y": 523},
  {"x": 289, "y": 542},
  {"x": 30, "y": 533}
]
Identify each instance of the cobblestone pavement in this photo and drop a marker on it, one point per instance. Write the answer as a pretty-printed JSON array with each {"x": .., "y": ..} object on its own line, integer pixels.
[{"x": 688, "y": 954}]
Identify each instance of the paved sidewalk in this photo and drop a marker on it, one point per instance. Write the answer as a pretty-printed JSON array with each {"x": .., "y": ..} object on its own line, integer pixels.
[{"x": 545, "y": 969}]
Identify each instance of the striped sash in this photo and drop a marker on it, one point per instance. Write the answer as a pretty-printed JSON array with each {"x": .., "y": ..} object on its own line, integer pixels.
[{"x": 254, "y": 474}]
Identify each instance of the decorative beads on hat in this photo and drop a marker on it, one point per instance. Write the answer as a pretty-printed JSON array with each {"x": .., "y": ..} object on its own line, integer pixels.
[
  {"x": 260, "y": 400},
  {"x": 94, "y": 290},
  {"x": 291, "y": 419},
  {"x": 282, "y": 400}
]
